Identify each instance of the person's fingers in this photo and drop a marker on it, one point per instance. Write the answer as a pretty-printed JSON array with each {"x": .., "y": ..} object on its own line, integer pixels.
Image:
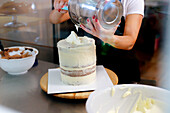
[
  {"x": 91, "y": 27},
  {"x": 93, "y": 20},
  {"x": 98, "y": 27},
  {"x": 63, "y": 11},
  {"x": 61, "y": 4},
  {"x": 96, "y": 24},
  {"x": 65, "y": 4},
  {"x": 55, "y": 3}
]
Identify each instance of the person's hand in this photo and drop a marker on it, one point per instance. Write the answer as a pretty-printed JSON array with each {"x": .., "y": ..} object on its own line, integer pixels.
[
  {"x": 97, "y": 30},
  {"x": 59, "y": 4}
]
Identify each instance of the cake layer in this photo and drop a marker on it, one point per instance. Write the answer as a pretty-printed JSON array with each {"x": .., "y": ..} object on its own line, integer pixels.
[
  {"x": 78, "y": 80},
  {"x": 77, "y": 68},
  {"x": 77, "y": 72}
]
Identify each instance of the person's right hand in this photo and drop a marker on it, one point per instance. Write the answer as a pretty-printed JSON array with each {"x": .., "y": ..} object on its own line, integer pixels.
[
  {"x": 59, "y": 4},
  {"x": 96, "y": 29}
]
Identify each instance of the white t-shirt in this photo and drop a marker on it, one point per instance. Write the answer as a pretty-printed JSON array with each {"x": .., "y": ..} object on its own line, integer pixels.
[{"x": 133, "y": 7}]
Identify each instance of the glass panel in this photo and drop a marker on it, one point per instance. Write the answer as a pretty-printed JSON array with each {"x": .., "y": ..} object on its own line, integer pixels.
[{"x": 35, "y": 27}]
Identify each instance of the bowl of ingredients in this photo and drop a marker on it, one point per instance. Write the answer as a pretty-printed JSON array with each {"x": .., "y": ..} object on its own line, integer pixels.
[
  {"x": 17, "y": 60},
  {"x": 130, "y": 98}
]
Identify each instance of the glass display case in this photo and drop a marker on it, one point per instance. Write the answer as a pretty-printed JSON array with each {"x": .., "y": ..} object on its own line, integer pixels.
[
  {"x": 14, "y": 8},
  {"x": 25, "y": 22}
]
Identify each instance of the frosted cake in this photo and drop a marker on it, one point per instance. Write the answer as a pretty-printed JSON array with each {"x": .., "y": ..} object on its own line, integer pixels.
[{"x": 77, "y": 58}]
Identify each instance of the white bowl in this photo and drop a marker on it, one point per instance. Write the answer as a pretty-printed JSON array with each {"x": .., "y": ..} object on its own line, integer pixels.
[
  {"x": 18, "y": 66},
  {"x": 112, "y": 101}
]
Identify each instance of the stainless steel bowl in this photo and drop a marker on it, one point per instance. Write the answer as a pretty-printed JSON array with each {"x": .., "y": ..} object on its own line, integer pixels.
[{"x": 108, "y": 12}]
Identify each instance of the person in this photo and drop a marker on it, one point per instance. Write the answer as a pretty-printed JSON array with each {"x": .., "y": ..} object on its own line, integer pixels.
[{"x": 114, "y": 48}]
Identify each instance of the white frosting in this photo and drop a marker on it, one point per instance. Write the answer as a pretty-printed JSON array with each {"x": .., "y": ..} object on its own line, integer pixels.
[
  {"x": 27, "y": 51},
  {"x": 20, "y": 50},
  {"x": 77, "y": 27},
  {"x": 127, "y": 93},
  {"x": 145, "y": 106},
  {"x": 113, "y": 91},
  {"x": 80, "y": 57},
  {"x": 141, "y": 105},
  {"x": 73, "y": 41},
  {"x": 114, "y": 110},
  {"x": 73, "y": 38},
  {"x": 149, "y": 106},
  {"x": 72, "y": 55},
  {"x": 15, "y": 53}
]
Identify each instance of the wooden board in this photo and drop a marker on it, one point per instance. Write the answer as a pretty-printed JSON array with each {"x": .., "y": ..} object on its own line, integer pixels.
[{"x": 80, "y": 95}]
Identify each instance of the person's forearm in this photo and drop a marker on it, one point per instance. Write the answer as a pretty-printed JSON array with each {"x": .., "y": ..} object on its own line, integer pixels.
[
  {"x": 127, "y": 41},
  {"x": 57, "y": 17},
  {"x": 121, "y": 42}
]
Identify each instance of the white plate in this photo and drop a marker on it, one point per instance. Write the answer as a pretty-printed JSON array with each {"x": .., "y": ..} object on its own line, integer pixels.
[{"x": 55, "y": 85}]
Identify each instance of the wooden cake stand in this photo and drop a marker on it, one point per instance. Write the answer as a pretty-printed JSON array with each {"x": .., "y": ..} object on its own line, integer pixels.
[{"x": 79, "y": 95}]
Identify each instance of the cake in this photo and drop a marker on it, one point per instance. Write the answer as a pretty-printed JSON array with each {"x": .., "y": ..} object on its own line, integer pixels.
[{"x": 77, "y": 58}]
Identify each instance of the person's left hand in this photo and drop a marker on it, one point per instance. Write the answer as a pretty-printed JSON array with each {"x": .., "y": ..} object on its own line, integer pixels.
[
  {"x": 59, "y": 4},
  {"x": 97, "y": 30}
]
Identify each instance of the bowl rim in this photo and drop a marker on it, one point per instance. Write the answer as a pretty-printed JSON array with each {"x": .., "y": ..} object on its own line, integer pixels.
[
  {"x": 100, "y": 91},
  {"x": 25, "y": 57}
]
